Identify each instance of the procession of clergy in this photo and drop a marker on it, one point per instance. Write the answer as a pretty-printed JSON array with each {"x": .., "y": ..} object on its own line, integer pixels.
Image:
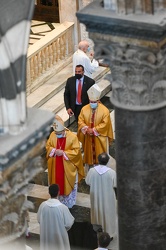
[{"x": 67, "y": 167}]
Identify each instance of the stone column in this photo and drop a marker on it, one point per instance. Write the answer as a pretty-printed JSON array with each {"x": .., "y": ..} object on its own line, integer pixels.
[
  {"x": 15, "y": 21},
  {"x": 23, "y": 131},
  {"x": 20, "y": 161},
  {"x": 135, "y": 48}
]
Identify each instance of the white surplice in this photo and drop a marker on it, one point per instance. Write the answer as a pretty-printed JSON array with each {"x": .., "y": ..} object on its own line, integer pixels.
[
  {"x": 55, "y": 220},
  {"x": 102, "y": 181}
]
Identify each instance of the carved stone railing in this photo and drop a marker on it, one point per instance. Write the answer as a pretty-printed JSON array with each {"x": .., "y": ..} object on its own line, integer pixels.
[{"x": 47, "y": 56}]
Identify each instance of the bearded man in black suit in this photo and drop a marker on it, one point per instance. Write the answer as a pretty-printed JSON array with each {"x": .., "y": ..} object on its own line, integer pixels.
[{"x": 72, "y": 99}]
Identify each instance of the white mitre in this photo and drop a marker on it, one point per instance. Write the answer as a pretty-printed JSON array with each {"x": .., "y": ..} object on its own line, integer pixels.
[
  {"x": 94, "y": 93},
  {"x": 58, "y": 124}
]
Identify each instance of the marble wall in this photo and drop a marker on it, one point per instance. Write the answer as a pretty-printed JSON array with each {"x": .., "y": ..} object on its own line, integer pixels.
[{"x": 68, "y": 9}]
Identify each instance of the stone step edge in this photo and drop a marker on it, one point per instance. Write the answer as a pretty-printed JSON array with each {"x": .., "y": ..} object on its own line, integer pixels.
[
  {"x": 56, "y": 103},
  {"x": 41, "y": 192},
  {"x": 34, "y": 227},
  {"x": 60, "y": 110},
  {"x": 50, "y": 88},
  {"x": 36, "y": 99}
]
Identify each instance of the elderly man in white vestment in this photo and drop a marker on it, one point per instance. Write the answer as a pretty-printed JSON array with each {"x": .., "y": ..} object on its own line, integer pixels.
[
  {"x": 102, "y": 181},
  {"x": 55, "y": 220},
  {"x": 80, "y": 57}
]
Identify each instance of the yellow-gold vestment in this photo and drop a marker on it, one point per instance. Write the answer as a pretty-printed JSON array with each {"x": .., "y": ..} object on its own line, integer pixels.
[
  {"x": 73, "y": 165},
  {"x": 103, "y": 126}
]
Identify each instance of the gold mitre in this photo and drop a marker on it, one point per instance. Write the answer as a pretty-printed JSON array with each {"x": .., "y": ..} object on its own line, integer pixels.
[
  {"x": 94, "y": 93},
  {"x": 58, "y": 124}
]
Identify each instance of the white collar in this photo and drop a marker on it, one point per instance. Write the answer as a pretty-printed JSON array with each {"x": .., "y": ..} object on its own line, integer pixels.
[
  {"x": 53, "y": 202},
  {"x": 101, "y": 248},
  {"x": 79, "y": 50},
  {"x": 101, "y": 169}
]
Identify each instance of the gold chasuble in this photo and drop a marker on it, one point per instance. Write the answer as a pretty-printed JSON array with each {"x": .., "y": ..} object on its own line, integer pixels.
[
  {"x": 94, "y": 145},
  {"x": 71, "y": 166}
]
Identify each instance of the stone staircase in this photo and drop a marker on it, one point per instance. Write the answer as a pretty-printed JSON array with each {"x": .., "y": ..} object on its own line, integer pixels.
[
  {"x": 47, "y": 91},
  {"x": 49, "y": 96},
  {"x": 39, "y": 193}
]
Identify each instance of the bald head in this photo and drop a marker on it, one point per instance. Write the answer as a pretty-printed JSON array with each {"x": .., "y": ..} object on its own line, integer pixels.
[{"x": 83, "y": 45}]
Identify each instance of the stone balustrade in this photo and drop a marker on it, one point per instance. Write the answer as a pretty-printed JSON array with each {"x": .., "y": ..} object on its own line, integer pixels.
[{"x": 48, "y": 55}]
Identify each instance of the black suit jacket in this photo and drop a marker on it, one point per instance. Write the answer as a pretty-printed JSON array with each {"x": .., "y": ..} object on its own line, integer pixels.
[{"x": 70, "y": 92}]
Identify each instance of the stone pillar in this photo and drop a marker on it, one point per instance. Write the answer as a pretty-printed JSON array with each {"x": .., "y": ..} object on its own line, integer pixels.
[
  {"x": 23, "y": 131},
  {"x": 20, "y": 161},
  {"x": 15, "y": 20},
  {"x": 134, "y": 46}
]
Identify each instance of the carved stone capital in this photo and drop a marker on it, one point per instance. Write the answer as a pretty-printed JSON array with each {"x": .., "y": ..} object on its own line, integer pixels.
[
  {"x": 138, "y": 73},
  {"x": 134, "y": 47}
]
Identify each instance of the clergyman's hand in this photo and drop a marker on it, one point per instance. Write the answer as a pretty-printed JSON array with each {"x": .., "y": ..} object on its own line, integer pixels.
[
  {"x": 90, "y": 131},
  {"x": 59, "y": 152}
]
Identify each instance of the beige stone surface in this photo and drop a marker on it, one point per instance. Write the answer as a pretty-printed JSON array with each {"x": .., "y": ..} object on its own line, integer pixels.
[
  {"x": 38, "y": 191},
  {"x": 43, "y": 28},
  {"x": 41, "y": 192},
  {"x": 33, "y": 223},
  {"x": 83, "y": 200},
  {"x": 68, "y": 8}
]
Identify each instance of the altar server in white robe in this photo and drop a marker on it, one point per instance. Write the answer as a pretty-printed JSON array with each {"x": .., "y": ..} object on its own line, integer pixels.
[
  {"x": 55, "y": 220},
  {"x": 102, "y": 181}
]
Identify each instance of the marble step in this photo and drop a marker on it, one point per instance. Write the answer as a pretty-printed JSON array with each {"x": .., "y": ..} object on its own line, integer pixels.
[
  {"x": 53, "y": 85},
  {"x": 55, "y": 103},
  {"x": 81, "y": 213},
  {"x": 38, "y": 193},
  {"x": 50, "y": 88},
  {"x": 42, "y": 179},
  {"x": 49, "y": 96},
  {"x": 105, "y": 86},
  {"x": 34, "y": 227}
]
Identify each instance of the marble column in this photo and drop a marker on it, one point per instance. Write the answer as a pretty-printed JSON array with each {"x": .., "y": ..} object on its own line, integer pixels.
[
  {"x": 15, "y": 22},
  {"x": 135, "y": 48},
  {"x": 20, "y": 161},
  {"x": 23, "y": 131}
]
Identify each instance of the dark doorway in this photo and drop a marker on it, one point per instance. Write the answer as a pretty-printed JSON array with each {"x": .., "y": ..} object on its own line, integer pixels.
[{"x": 47, "y": 10}]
